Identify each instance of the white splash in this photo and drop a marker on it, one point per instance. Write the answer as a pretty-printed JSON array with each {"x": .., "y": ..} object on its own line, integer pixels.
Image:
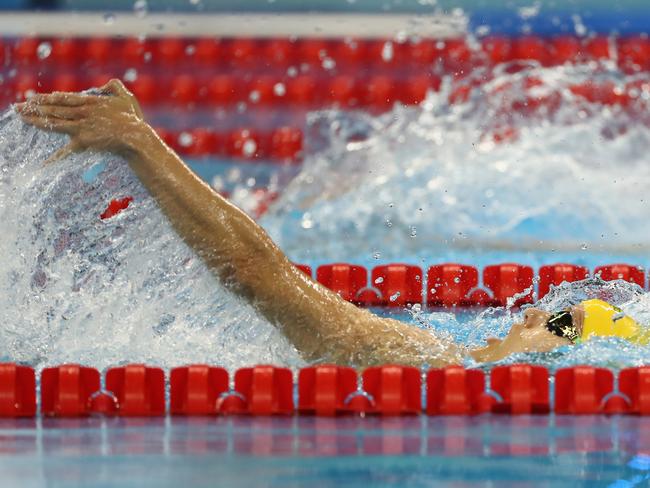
[{"x": 77, "y": 288}]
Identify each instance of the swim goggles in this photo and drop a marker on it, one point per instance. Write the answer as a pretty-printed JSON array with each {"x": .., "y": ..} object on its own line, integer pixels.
[{"x": 561, "y": 324}]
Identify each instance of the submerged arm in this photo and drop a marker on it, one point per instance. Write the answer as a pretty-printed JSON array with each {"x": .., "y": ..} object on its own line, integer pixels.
[{"x": 320, "y": 324}]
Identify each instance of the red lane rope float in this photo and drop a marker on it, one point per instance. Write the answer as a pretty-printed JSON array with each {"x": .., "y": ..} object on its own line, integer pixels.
[
  {"x": 457, "y": 285},
  {"x": 138, "y": 390}
]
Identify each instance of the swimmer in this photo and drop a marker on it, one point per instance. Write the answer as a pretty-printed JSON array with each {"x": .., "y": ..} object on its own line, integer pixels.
[{"x": 321, "y": 325}]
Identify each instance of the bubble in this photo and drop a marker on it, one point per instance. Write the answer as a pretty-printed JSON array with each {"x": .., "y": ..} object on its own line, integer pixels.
[
  {"x": 108, "y": 18},
  {"x": 395, "y": 296},
  {"x": 254, "y": 96},
  {"x": 44, "y": 50},
  {"x": 249, "y": 148},
  {"x": 379, "y": 280},
  {"x": 185, "y": 139},
  {"x": 279, "y": 89},
  {"x": 457, "y": 280},
  {"x": 130, "y": 75},
  {"x": 140, "y": 8},
  {"x": 387, "y": 51}
]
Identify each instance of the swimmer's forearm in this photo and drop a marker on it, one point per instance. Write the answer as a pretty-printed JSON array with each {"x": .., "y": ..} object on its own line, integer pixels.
[{"x": 318, "y": 322}]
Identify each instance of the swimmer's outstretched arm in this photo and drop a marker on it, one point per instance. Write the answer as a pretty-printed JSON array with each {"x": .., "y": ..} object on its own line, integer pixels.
[{"x": 320, "y": 324}]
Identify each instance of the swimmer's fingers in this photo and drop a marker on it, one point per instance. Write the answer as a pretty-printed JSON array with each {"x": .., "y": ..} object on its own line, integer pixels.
[
  {"x": 61, "y": 112},
  {"x": 62, "y": 153},
  {"x": 116, "y": 88},
  {"x": 48, "y": 123},
  {"x": 62, "y": 98}
]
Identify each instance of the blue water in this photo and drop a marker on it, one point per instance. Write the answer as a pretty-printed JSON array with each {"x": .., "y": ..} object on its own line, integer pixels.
[{"x": 482, "y": 451}]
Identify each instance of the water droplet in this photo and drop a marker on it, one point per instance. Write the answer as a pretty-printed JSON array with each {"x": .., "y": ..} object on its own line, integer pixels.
[
  {"x": 185, "y": 139},
  {"x": 249, "y": 148},
  {"x": 108, "y": 18},
  {"x": 456, "y": 279},
  {"x": 43, "y": 50},
  {"x": 584, "y": 246},
  {"x": 414, "y": 231},
  {"x": 130, "y": 75},
  {"x": 292, "y": 71},
  {"x": 387, "y": 51},
  {"x": 140, "y": 8},
  {"x": 376, "y": 255},
  {"x": 190, "y": 50},
  {"x": 254, "y": 96},
  {"x": 279, "y": 89},
  {"x": 433, "y": 291},
  {"x": 379, "y": 280},
  {"x": 388, "y": 223},
  {"x": 394, "y": 297},
  {"x": 328, "y": 63}
]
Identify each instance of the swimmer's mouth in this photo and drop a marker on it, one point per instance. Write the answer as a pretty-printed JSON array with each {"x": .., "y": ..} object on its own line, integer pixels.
[{"x": 561, "y": 324}]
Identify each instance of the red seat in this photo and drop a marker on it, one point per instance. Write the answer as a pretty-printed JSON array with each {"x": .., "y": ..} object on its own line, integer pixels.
[
  {"x": 184, "y": 90},
  {"x": 66, "y": 390},
  {"x": 98, "y": 50},
  {"x": 523, "y": 389},
  {"x": 304, "y": 91},
  {"x": 134, "y": 52},
  {"x": 199, "y": 142},
  {"x": 342, "y": 278},
  {"x": 598, "y": 48},
  {"x": 634, "y": 52},
  {"x": 422, "y": 53},
  {"x": 145, "y": 88},
  {"x": 380, "y": 93},
  {"x": 531, "y": 48},
  {"x": 448, "y": 285},
  {"x": 312, "y": 51},
  {"x": 304, "y": 268},
  {"x": 242, "y": 52},
  {"x": 507, "y": 280},
  {"x": 581, "y": 389},
  {"x": 139, "y": 389},
  {"x": 349, "y": 53},
  {"x": 635, "y": 384},
  {"x": 555, "y": 274},
  {"x": 17, "y": 391},
  {"x": 170, "y": 51},
  {"x": 68, "y": 82},
  {"x": 456, "y": 391},
  {"x": 286, "y": 144},
  {"x": 456, "y": 55},
  {"x": 395, "y": 390},
  {"x": 565, "y": 49},
  {"x": 25, "y": 51},
  {"x": 208, "y": 52},
  {"x": 323, "y": 389},
  {"x": 243, "y": 143},
  {"x": 399, "y": 284},
  {"x": 414, "y": 89},
  {"x": 627, "y": 272},
  {"x": 223, "y": 90},
  {"x": 498, "y": 49},
  {"x": 262, "y": 390},
  {"x": 343, "y": 91},
  {"x": 25, "y": 85},
  {"x": 279, "y": 52},
  {"x": 66, "y": 51},
  {"x": 195, "y": 389}
]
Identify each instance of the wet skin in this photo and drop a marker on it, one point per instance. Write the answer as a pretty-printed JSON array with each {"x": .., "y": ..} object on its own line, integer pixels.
[{"x": 321, "y": 326}]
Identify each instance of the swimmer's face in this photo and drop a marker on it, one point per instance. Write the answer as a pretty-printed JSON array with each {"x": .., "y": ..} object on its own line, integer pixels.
[{"x": 530, "y": 335}]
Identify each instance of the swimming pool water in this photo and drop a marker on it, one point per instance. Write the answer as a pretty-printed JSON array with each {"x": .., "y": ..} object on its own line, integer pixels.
[{"x": 419, "y": 451}]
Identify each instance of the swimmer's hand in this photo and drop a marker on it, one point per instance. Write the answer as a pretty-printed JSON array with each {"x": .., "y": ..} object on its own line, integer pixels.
[{"x": 107, "y": 120}]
